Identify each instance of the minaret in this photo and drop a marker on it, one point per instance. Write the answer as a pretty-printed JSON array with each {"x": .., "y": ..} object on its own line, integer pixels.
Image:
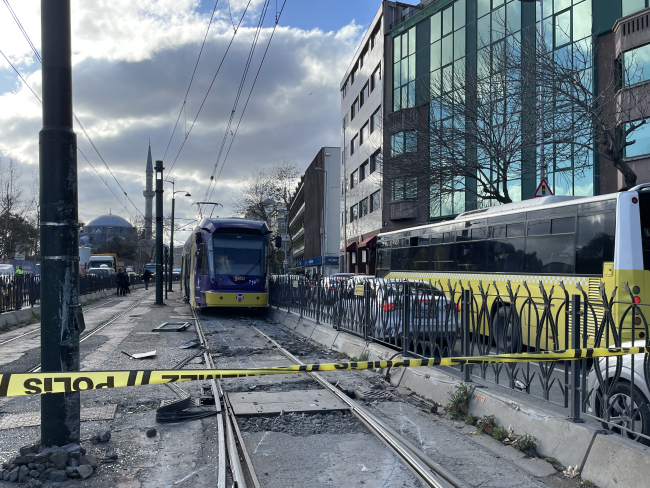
[{"x": 148, "y": 197}]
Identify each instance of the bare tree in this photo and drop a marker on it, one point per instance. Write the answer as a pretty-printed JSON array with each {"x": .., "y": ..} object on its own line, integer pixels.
[{"x": 11, "y": 203}]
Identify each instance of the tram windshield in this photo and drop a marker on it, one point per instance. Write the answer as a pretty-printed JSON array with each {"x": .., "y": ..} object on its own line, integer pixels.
[{"x": 239, "y": 254}]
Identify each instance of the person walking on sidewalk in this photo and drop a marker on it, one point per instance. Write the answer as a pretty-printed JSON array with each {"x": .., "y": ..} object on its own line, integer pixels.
[
  {"x": 146, "y": 276},
  {"x": 119, "y": 279}
]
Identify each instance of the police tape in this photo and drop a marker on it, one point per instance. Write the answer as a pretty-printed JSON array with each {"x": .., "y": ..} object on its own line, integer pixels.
[{"x": 17, "y": 384}]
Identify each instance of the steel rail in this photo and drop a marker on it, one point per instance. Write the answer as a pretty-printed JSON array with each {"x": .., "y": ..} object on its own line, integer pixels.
[
  {"x": 100, "y": 327},
  {"x": 230, "y": 426},
  {"x": 38, "y": 329},
  {"x": 415, "y": 459}
]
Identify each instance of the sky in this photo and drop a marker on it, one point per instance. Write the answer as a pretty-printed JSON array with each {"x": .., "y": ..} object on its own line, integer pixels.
[{"x": 132, "y": 64}]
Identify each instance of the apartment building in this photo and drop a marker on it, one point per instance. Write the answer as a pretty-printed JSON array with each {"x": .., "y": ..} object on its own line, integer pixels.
[
  {"x": 313, "y": 225},
  {"x": 362, "y": 140}
]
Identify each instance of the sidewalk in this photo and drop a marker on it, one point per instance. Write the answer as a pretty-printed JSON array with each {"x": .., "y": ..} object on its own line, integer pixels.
[
  {"x": 606, "y": 459},
  {"x": 177, "y": 450}
]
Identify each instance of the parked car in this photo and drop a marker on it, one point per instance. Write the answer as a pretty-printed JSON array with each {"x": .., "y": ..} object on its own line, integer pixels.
[
  {"x": 176, "y": 274},
  {"x": 627, "y": 407}
]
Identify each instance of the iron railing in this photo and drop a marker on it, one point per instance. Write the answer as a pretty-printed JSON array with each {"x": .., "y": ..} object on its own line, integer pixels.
[{"x": 440, "y": 320}]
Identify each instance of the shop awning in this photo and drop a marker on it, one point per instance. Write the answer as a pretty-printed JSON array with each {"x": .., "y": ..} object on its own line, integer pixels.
[
  {"x": 367, "y": 242},
  {"x": 351, "y": 247}
]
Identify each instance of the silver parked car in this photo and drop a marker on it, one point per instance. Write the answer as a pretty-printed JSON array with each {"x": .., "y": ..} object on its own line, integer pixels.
[{"x": 627, "y": 407}]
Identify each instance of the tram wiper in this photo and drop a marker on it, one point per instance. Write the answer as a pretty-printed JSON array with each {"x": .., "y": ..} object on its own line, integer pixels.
[{"x": 259, "y": 261}]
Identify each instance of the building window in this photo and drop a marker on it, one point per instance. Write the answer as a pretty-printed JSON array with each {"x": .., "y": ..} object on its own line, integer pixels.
[
  {"x": 353, "y": 258},
  {"x": 636, "y": 63},
  {"x": 342, "y": 218},
  {"x": 642, "y": 145},
  {"x": 404, "y": 188},
  {"x": 404, "y": 70},
  {"x": 344, "y": 91},
  {"x": 354, "y": 213},
  {"x": 375, "y": 201},
  {"x": 354, "y": 144},
  {"x": 363, "y": 96},
  {"x": 354, "y": 179},
  {"x": 363, "y": 207},
  {"x": 404, "y": 142},
  {"x": 375, "y": 120},
  {"x": 353, "y": 75},
  {"x": 375, "y": 80},
  {"x": 363, "y": 134},
  {"x": 631, "y": 6},
  {"x": 362, "y": 58},
  {"x": 354, "y": 108},
  {"x": 345, "y": 122},
  {"x": 363, "y": 171},
  {"x": 375, "y": 162}
]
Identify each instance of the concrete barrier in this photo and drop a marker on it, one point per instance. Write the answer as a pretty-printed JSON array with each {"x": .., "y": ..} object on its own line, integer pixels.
[{"x": 608, "y": 460}]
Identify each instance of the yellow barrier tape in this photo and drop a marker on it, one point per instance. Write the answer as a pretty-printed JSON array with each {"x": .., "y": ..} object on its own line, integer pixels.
[{"x": 16, "y": 384}]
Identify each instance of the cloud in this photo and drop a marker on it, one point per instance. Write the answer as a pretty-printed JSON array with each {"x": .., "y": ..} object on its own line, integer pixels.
[{"x": 131, "y": 66}]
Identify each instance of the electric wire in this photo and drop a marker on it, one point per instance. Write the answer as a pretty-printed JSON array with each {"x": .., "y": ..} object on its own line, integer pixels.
[
  {"x": 191, "y": 80},
  {"x": 78, "y": 149},
  {"x": 38, "y": 56},
  {"x": 208, "y": 91},
  {"x": 240, "y": 89},
  {"x": 214, "y": 182}
]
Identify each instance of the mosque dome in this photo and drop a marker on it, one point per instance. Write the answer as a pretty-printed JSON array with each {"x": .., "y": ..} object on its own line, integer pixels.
[{"x": 109, "y": 221}]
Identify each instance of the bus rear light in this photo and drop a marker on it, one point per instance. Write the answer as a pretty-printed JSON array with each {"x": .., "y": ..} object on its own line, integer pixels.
[
  {"x": 388, "y": 307},
  {"x": 636, "y": 290},
  {"x": 641, "y": 335},
  {"x": 637, "y": 299},
  {"x": 637, "y": 320},
  {"x": 635, "y": 200}
]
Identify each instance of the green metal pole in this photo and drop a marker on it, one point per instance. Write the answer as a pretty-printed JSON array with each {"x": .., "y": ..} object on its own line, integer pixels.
[
  {"x": 58, "y": 226},
  {"x": 159, "y": 233}
]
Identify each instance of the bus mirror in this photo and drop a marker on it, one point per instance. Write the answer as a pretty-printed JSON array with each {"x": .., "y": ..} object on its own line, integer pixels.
[
  {"x": 278, "y": 241},
  {"x": 198, "y": 238}
]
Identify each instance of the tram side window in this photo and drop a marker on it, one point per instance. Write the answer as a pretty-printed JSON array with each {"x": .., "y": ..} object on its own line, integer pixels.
[
  {"x": 595, "y": 242},
  {"x": 644, "y": 207},
  {"x": 442, "y": 257}
]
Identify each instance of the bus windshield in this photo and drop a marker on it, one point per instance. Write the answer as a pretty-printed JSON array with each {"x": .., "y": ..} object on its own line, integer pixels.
[{"x": 238, "y": 254}]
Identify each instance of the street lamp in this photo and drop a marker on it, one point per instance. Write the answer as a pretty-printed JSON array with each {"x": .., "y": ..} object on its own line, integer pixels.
[
  {"x": 542, "y": 161},
  {"x": 170, "y": 264},
  {"x": 324, "y": 241}
]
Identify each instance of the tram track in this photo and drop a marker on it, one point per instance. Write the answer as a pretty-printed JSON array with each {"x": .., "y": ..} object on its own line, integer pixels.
[
  {"x": 2, "y": 343},
  {"x": 87, "y": 334},
  {"x": 430, "y": 472}
]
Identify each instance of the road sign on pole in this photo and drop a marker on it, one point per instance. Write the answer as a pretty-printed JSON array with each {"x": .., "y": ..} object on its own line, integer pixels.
[{"x": 543, "y": 190}]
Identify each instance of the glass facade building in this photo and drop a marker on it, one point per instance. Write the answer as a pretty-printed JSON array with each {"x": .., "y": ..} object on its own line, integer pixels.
[{"x": 448, "y": 39}]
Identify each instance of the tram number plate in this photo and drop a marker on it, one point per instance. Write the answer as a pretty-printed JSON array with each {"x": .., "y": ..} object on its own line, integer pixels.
[{"x": 358, "y": 290}]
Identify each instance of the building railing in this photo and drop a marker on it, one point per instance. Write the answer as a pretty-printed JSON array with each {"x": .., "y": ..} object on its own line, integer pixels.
[
  {"x": 404, "y": 18},
  {"x": 421, "y": 319}
]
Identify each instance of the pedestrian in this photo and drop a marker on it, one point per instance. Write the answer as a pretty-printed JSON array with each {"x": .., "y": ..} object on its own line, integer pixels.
[
  {"x": 119, "y": 279},
  {"x": 19, "y": 271},
  {"x": 146, "y": 276}
]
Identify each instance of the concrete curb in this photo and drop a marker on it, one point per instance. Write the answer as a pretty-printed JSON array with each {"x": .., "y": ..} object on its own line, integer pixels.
[{"x": 608, "y": 460}]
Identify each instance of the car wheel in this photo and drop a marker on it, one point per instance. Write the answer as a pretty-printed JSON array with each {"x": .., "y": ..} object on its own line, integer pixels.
[
  {"x": 635, "y": 417},
  {"x": 508, "y": 331}
]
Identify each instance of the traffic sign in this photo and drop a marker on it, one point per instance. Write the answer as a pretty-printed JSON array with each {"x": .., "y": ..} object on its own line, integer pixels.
[
  {"x": 543, "y": 190},
  {"x": 285, "y": 262}
]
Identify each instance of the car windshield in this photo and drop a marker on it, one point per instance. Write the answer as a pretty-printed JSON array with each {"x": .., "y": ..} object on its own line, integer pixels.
[{"x": 238, "y": 254}]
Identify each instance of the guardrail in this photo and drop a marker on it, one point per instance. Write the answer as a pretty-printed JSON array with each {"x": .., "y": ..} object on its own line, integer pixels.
[
  {"x": 422, "y": 319},
  {"x": 21, "y": 291}
]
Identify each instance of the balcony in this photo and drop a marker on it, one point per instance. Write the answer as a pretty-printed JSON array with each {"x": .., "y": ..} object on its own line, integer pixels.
[{"x": 299, "y": 233}]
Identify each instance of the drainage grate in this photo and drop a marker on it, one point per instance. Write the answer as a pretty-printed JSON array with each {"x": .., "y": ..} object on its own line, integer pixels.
[{"x": 371, "y": 395}]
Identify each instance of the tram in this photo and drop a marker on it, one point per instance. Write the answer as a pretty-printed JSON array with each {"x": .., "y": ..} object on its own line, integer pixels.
[{"x": 225, "y": 264}]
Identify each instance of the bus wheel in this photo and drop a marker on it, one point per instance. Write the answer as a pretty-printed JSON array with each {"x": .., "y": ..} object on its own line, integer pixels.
[{"x": 507, "y": 329}]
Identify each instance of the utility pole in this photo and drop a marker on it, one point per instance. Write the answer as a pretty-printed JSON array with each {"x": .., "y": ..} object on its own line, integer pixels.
[
  {"x": 59, "y": 225},
  {"x": 159, "y": 233},
  {"x": 171, "y": 246}
]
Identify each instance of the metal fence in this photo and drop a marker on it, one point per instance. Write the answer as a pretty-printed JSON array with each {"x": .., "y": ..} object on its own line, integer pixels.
[
  {"x": 440, "y": 320},
  {"x": 21, "y": 291}
]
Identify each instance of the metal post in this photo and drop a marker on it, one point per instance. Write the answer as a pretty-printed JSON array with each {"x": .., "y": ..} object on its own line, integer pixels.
[
  {"x": 406, "y": 320},
  {"x": 58, "y": 225},
  {"x": 159, "y": 233},
  {"x": 171, "y": 246},
  {"x": 465, "y": 313},
  {"x": 366, "y": 299},
  {"x": 318, "y": 300},
  {"x": 166, "y": 267},
  {"x": 574, "y": 387},
  {"x": 542, "y": 161}
]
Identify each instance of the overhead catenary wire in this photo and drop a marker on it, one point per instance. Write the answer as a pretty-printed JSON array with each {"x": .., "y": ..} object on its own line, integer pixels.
[
  {"x": 191, "y": 80},
  {"x": 240, "y": 88},
  {"x": 208, "y": 91},
  {"x": 38, "y": 56},
  {"x": 215, "y": 180}
]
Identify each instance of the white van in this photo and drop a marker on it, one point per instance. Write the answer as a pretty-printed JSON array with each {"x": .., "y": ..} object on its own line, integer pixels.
[{"x": 7, "y": 270}]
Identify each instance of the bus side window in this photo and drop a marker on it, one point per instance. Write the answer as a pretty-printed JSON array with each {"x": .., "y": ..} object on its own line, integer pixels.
[{"x": 595, "y": 242}]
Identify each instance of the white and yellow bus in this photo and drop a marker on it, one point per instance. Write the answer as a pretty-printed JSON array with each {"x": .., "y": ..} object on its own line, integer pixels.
[{"x": 586, "y": 241}]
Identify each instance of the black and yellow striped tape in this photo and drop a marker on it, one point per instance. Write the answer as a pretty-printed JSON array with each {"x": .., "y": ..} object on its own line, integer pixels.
[{"x": 17, "y": 384}]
